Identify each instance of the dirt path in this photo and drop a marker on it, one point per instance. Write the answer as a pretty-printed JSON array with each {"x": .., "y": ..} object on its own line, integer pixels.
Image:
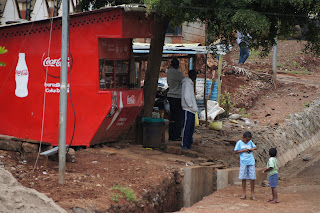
[
  {"x": 298, "y": 191},
  {"x": 295, "y": 92}
]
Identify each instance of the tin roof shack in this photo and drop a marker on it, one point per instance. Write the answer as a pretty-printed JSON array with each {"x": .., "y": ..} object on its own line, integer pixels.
[{"x": 99, "y": 76}]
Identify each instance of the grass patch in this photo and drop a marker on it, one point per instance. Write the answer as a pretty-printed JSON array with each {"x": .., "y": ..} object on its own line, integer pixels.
[
  {"x": 242, "y": 112},
  {"x": 116, "y": 197},
  {"x": 303, "y": 72},
  {"x": 126, "y": 191}
]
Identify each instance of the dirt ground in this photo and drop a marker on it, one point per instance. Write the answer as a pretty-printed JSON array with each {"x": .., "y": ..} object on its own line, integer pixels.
[{"x": 91, "y": 182}]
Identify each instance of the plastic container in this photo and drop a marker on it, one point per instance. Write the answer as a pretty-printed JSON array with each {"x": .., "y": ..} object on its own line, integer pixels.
[
  {"x": 153, "y": 132},
  {"x": 217, "y": 125}
]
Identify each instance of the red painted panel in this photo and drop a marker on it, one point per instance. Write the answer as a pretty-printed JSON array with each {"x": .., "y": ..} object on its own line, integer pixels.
[
  {"x": 129, "y": 104},
  {"x": 114, "y": 48},
  {"x": 137, "y": 25},
  {"x": 23, "y": 116}
]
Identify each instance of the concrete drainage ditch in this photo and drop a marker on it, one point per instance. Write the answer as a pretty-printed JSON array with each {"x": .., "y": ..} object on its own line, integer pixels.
[{"x": 184, "y": 188}]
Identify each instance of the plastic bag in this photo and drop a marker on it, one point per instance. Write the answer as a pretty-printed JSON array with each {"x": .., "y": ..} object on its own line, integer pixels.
[
  {"x": 196, "y": 120},
  {"x": 166, "y": 106},
  {"x": 213, "y": 110}
]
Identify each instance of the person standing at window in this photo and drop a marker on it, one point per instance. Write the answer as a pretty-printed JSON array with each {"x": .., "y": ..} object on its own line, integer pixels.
[{"x": 174, "y": 80}]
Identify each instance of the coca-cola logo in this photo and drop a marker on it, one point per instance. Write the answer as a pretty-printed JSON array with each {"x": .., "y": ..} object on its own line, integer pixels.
[
  {"x": 22, "y": 72},
  {"x": 49, "y": 62},
  {"x": 131, "y": 99},
  {"x": 51, "y": 65}
]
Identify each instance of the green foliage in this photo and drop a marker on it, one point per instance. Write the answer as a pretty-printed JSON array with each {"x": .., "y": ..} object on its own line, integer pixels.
[
  {"x": 303, "y": 72},
  {"x": 226, "y": 103},
  {"x": 242, "y": 112},
  {"x": 127, "y": 191},
  {"x": 116, "y": 197},
  {"x": 264, "y": 20},
  {"x": 3, "y": 50}
]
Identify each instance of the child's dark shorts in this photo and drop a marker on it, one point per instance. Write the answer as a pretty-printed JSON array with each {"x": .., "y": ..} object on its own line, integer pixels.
[{"x": 273, "y": 180}]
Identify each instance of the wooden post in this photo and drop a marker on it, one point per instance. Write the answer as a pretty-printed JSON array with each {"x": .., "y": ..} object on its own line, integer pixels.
[
  {"x": 274, "y": 63},
  {"x": 219, "y": 77},
  {"x": 205, "y": 76},
  {"x": 139, "y": 73}
]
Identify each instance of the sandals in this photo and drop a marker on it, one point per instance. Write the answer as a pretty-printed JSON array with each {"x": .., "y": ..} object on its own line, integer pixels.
[
  {"x": 274, "y": 202},
  {"x": 253, "y": 198},
  {"x": 243, "y": 197},
  {"x": 270, "y": 200}
]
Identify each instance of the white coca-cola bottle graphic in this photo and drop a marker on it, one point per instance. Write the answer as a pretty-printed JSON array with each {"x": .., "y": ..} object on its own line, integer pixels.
[{"x": 22, "y": 77}]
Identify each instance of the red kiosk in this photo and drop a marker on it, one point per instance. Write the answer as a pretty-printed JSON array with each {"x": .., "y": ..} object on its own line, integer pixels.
[{"x": 100, "y": 69}]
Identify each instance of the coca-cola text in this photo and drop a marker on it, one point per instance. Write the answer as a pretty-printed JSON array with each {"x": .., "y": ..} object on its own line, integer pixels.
[
  {"x": 21, "y": 72},
  {"x": 48, "y": 62}
]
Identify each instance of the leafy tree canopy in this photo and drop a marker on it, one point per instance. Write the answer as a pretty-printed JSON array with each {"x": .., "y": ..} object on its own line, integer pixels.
[{"x": 264, "y": 20}]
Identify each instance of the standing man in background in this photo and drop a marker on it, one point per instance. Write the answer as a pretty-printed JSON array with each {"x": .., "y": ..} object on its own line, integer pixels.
[
  {"x": 174, "y": 80},
  {"x": 189, "y": 106},
  {"x": 243, "y": 41}
]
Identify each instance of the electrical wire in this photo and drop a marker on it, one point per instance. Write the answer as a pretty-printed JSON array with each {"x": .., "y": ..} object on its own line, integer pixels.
[
  {"x": 71, "y": 101},
  {"x": 44, "y": 96}
]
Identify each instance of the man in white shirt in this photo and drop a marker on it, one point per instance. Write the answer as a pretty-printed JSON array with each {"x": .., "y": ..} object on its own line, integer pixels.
[{"x": 189, "y": 106}]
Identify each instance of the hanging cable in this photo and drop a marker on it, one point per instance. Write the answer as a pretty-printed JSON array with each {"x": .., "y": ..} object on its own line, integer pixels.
[
  {"x": 44, "y": 97},
  {"x": 74, "y": 112}
]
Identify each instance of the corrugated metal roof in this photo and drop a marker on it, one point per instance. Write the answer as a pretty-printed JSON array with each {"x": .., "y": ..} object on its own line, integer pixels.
[
  {"x": 189, "y": 49},
  {"x": 2, "y": 6}
]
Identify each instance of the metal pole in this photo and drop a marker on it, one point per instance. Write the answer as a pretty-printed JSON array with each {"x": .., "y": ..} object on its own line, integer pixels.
[
  {"x": 205, "y": 89},
  {"x": 205, "y": 75},
  {"x": 274, "y": 62},
  {"x": 63, "y": 90}
]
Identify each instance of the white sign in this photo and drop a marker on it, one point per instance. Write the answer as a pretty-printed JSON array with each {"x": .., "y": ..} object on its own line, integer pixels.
[
  {"x": 131, "y": 99},
  {"x": 54, "y": 87}
]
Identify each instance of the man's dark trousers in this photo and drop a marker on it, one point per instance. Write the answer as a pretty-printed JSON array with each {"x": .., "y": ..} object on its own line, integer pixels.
[
  {"x": 176, "y": 114},
  {"x": 188, "y": 129}
]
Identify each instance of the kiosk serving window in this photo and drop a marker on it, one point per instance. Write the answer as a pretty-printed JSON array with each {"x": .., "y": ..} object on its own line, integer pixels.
[{"x": 113, "y": 63}]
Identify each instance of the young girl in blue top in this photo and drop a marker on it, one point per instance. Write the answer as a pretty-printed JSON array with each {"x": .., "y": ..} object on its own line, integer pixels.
[{"x": 247, "y": 170}]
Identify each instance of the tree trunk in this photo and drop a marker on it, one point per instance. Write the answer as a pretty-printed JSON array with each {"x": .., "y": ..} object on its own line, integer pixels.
[
  {"x": 152, "y": 73},
  {"x": 154, "y": 63}
]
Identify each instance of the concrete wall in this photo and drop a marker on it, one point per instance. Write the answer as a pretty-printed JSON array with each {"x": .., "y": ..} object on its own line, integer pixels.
[
  {"x": 193, "y": 33},
  {"x": 198, "y": 182},
  {"x": 201, "y": 181},
  {"x": 227, "y": 177},
  {"x": 299, "y": 132}
]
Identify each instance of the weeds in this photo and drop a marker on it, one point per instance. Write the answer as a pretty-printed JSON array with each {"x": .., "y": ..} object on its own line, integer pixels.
[
  {"x": 304, "y": 72},
  {"x": 116, "y": 197},
  {"x": 127, "y": 191},
  {"x": 226, "y": 104},
  {"x": 242, "y": 112}
]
